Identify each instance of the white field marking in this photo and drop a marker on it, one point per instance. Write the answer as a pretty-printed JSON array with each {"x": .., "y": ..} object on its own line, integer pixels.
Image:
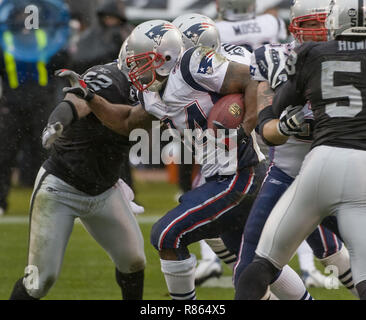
[
  {"x": 143, "y": 219},
  {"x": 222, "y": 282}
]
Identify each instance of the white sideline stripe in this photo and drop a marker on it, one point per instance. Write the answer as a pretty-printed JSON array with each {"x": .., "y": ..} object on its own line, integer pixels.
[{"x": 25, "y": 220}]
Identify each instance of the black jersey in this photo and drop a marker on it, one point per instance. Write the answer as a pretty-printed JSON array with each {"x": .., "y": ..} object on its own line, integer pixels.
[
  {"x": 89, "y": 155},
  {"x": 331, "y": 75}
]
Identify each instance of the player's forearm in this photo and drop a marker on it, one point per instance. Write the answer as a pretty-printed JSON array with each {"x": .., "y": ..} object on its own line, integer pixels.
[
  {"x": 113, "y": 116},
  {"x": 250, "y": 99},
  {"x": 270, "y": 133}
]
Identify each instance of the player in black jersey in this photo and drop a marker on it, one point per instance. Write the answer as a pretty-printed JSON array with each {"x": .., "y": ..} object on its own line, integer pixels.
[
  {"x": 332, "y": 179},
  {"x": 80, "y": 179}
]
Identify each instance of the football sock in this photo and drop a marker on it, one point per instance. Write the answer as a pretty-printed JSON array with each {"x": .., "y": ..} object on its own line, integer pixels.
[
  {"x": 218, "y": 246},
  {"x": 179, "y": 277},
  {"x": 19, "y": 292},
  {"x": 341, "y": 261},
  {"x": 289, "y": 286},
  {"x": 132, "y": 284},
  {"x": 254, "y": 280}
]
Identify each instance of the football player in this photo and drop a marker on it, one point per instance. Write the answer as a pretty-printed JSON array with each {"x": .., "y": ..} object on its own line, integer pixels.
[
  {"x": 180, "y": 88},
  {"x": 80, "y": 179},
  {"x": 307, "y": 23},
  {"x": 331, "y": 180},
  {"x": 199, "y": 30}
]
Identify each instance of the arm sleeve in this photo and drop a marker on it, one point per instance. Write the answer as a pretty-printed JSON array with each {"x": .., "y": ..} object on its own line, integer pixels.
[
  {"x": 285, "y": 96},
  {"x": 65, "y": 113}
]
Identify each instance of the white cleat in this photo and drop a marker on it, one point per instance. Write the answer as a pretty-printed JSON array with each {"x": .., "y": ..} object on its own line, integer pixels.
[
  {"x": 207, "y": 269},
  {"x": 314, "y": 279},
  {"x": 2, "y": 212}
]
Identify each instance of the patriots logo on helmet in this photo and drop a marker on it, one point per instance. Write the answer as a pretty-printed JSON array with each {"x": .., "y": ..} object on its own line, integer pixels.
[
  {"x": 206, "y": 63},
  {"x": 194, "y": 32},
  {"x": 158, "y": 32}
]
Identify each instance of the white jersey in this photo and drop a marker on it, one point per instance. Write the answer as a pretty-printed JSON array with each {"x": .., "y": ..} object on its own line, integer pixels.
[
  {"x": 289, "y": 156},
  {"x": 253, "y": 33},
  {"x": 191, "y": 91}
]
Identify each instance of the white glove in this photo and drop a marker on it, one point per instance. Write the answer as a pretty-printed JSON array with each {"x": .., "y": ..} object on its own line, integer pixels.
[
  {"x": 276, "y": 60},
  {"x": 291, "y": 121},
  {"x": 51, "y": 133}
]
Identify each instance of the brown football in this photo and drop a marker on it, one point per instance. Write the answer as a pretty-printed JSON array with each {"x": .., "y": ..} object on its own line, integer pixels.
[{"x": 229, "y": 111}]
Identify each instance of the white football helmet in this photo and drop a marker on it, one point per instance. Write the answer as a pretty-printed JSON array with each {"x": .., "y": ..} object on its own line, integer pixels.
[
  {"x": 307, "y": 11},
  {"x": 235, "y": 10},
  {"x": 198, "y": 30},
  {"x": 152, "y": 50},
  {"x": 346, "y": 18}
]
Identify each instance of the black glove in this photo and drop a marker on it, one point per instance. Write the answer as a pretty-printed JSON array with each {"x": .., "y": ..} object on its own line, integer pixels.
[
  {"x": 51, "y": 133},
  {"x": 242, "y": 137},
  {"x": 78, "y": 85},
  {"x": 291, "y": 121}
]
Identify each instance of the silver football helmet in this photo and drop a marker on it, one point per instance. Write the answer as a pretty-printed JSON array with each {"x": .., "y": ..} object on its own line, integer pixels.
[
  {"x": 346, "y": 18},
  {"x": 152, "y": 50},
  {"x": 198, "y": 30},
  {"x": 235, "y": 10},
  {"x": 121, "y": 62},
  {"x": 307, "y": 11}
]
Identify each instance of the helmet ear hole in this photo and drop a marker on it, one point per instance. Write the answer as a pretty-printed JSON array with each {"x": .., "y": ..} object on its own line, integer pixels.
[{"x": 168, "y": 58}]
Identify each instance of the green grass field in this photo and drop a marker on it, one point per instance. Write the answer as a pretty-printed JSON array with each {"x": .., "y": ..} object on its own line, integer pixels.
[{"x": 87, "y": 272}]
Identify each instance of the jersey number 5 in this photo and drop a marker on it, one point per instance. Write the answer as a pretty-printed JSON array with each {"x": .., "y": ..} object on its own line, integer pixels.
[{"x": 349, "y": 92}]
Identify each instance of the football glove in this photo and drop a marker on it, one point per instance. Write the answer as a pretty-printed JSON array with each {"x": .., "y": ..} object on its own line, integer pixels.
[
  {"x": 242, "y": 137},
  {"x": 276, "y": 60},
  {"x": 291, "y": 121},
  {"x": 51, "y": 133},
  {"x": 78, "y": 85}
]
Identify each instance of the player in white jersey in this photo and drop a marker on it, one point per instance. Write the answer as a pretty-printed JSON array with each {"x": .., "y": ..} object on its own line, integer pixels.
[
  {"x": 238, "y": 24},
  {"x": 288, "y": 146},
  {"x": 199, "y": 30},
  {"x": 180, "y": 88}
]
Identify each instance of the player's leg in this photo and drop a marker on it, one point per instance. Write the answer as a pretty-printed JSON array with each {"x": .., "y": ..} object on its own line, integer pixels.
[
  {"x": 51, "y": 223},
  {"x": 294, "y": 217},
  {"x": 310, "y": 275},
  {"x": 330, "y": 251},
  {"x": 113, "y": 225},
  {"x": 204, "y": 212},
  {"x": 351, "y": 210},
  {"x": 287, "y": 284}
]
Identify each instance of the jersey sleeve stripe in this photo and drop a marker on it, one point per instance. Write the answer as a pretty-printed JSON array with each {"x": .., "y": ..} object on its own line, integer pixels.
[{"x": 186, "y": 73}]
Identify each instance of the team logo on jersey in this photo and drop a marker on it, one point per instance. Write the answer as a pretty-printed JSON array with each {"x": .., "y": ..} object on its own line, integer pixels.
[
  {"x": 195, "y": 31},
  {"x": 158, "y": 32},
  {"x": 206, "y": 63}
]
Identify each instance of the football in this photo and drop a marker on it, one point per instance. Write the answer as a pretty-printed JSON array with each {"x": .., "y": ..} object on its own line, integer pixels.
[{"x": 229, "y": 111}]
